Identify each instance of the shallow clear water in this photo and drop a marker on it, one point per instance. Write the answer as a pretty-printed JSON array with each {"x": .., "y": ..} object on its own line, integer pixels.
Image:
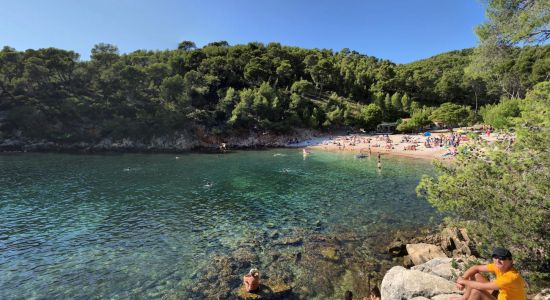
[{"x": 114, "y": 226}]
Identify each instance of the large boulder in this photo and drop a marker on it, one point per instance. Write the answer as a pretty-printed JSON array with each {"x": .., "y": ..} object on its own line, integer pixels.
[
  {"x": 400, "y": 283},
  {"x": 441, "y": 266},
  {"x": 421, "y": 253}
]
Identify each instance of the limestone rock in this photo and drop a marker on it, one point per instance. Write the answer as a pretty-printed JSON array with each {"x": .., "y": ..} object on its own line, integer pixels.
[
  {"x": 397, "y": 249},
  {"x": 407, "y": 262},
  {"x": 440, "y": 266},
  {"x": 421, "y": 253},
  {"x": 543, "y": 295},
  {"x": 400, "y": 283},
  {"x": 456, "y": 242},
  {"x": 11, "y": 145},
  {"x": 445, "y": 296}
]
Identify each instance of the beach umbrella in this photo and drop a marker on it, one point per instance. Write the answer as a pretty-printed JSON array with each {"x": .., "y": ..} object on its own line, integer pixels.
[{"x": 427, "y": 133}]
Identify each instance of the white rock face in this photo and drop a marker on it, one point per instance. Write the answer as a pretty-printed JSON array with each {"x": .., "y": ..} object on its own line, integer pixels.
[
  {"x": 445, "y": 296},
  {"x": 543, "y": 295},
  {"x": 400, "y": 283},
  {"x": 440, "y": 266},
  {"x": 421, "y": 253}
]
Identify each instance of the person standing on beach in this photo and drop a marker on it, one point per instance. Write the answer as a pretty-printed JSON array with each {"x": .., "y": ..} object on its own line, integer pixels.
[{"x": 508, "y": 282}]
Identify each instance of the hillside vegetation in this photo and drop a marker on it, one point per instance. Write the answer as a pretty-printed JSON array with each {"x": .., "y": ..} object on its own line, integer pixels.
[{"x": 51, "y": 94}]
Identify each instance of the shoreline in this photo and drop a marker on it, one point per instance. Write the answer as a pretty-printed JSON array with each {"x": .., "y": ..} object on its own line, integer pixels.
[{"x": 404, "y": 145}]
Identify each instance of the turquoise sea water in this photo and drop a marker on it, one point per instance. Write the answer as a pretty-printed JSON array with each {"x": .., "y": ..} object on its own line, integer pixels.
[{"x": 117, "y": 226}]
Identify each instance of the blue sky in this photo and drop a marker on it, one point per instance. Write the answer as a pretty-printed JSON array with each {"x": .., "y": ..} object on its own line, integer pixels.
[{"x": 402, "y": 31}]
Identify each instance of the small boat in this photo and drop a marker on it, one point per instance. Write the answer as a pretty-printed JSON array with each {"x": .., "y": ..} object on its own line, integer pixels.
[{"x": 361, "y": 155}]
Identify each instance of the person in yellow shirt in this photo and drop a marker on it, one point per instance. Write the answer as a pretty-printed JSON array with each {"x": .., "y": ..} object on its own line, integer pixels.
[{"x": 508, "y": 282}]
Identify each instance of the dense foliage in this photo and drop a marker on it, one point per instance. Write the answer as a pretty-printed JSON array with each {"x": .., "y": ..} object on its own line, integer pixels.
[
  {"x": 500, "y": 115},
  {"x": 51, "y": 94},
  {"x": 501, "y": 192},
  {"x": 513, "y": 21},
  {"x": 510, "y": 23}
]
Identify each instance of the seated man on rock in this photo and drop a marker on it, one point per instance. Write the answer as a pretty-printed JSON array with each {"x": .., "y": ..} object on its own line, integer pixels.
[
  {"x": 251, "y": 280},
  {"x": 508, "y": 282}
]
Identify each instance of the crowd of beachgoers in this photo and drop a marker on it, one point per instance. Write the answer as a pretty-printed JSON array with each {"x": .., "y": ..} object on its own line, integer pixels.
[{"x": 440, "y": 144}]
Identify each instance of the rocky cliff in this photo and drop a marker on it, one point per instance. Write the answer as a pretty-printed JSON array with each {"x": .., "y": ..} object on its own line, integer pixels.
[{"x": 177, "y": 142}]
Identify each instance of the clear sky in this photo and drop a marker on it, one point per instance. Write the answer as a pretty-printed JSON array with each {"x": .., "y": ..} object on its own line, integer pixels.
[{"x": 399, "y": 30}]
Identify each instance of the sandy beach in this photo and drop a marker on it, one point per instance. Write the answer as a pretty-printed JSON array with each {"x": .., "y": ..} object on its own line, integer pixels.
[{"x": 409, "y": 145}]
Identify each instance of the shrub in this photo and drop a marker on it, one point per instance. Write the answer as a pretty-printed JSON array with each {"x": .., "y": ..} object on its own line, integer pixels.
[{"x": 500, "y": 193}]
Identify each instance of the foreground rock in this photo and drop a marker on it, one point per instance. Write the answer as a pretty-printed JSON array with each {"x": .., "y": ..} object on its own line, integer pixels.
[
  {"x": 432, "y": 273},
  {"x": 400, "y": 283},
  {"x": 441, "y": 267},
  {"x": 421, "y": 253}
]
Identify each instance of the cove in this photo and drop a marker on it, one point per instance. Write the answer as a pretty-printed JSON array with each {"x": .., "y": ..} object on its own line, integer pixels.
[{"x": 151, "y": 225}]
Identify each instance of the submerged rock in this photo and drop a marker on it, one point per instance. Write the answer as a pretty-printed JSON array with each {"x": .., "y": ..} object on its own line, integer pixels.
[
  {"x": 397, "y": 249},
  {"x": 330, "y": 253},
  {"x": 289, "y": 241},
  {"x": 269, "y": 290},
  {"x": 302, "y": 264}
]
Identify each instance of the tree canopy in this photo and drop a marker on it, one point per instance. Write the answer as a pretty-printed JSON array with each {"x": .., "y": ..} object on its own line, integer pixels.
[
  {"x": 51, "y": 94},
  {"x": 500, "y": 191}
]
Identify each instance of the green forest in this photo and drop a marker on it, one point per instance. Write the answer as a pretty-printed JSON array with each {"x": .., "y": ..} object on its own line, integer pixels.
[
  {"x": 51, "y": 94},
  {"x": 499, "y": 191}
]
